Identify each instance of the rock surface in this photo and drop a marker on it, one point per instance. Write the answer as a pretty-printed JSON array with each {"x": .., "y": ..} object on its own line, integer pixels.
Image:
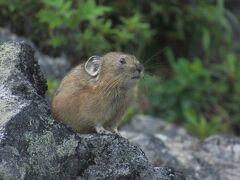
[
  {"x": 52, "y": 67},
  {"x": 34, "y": 146},
  {"x": 217, "y": 158}
]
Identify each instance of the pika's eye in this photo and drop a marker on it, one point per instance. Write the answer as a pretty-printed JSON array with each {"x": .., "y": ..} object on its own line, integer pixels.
[{"x": 123, "y": 60}]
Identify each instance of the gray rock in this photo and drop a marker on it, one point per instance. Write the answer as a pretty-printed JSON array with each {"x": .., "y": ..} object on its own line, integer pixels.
[
  {"x": 217, "y": 158},
  {"x": 34, "y": 146},
  {"x": 52, "y": 67},
  {"x": 151, "y": 125}
]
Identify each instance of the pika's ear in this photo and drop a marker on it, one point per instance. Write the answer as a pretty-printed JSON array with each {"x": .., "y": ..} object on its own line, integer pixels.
[{"x": 93, "y": 65}]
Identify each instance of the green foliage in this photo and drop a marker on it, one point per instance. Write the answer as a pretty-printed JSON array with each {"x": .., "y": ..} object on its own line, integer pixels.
[
  {"x": 185, "y": 88},
  {"x": 84, "y": 26},
  {"x": 184, "y": 24},
  {"x": 202, "y": 127},
  {"x": 67, "y": 15},
  {"x": 52, "y": 86},
  {"x": 204, "y": 99},
  {"x": 123, "y": 25}
]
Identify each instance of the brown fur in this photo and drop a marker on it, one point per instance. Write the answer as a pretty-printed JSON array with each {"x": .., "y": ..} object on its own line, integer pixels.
[{"x": 83, "y": 102}]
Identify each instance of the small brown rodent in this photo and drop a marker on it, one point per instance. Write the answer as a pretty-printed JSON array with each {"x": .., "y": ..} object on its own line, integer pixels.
[{"x": 95, "y": 94}]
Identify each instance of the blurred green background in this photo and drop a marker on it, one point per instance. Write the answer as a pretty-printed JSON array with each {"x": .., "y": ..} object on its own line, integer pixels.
[{"x": 189, "y": 48}]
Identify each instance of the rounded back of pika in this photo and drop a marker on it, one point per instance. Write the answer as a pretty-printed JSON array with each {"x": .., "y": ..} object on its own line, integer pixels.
[{"x": 95, "y": 94}]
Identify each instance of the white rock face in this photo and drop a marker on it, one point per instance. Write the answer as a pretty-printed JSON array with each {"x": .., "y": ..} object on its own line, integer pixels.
[{"x": 52, "y": 67}]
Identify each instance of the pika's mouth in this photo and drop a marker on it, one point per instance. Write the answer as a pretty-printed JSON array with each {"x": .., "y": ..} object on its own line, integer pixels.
[
  {"x": 139, "y": 72},
  {"x": 136, "y": 77}
]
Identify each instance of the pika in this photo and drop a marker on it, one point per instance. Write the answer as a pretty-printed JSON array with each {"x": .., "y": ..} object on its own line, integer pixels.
[{"x": 94, "y": 96}]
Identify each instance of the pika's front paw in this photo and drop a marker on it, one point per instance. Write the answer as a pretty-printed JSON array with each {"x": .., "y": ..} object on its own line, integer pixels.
[
  {"x": 115, "y": 131},
  {"x": 101, "y": 130}
]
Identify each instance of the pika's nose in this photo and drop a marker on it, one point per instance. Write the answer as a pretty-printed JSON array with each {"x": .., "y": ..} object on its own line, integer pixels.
[{"x": 140, "y": 68}]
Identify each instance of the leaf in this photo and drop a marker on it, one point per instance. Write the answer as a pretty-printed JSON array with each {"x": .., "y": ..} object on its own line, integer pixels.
[
  {"x": 89, "y": 10},
  {"x": 53, "y": 3},
  {"x": 50, "y": 18},
  {"x": 57, "y": 40},
  {"x": 231, "y": 64},
  {"x": 206, "y": 40}
]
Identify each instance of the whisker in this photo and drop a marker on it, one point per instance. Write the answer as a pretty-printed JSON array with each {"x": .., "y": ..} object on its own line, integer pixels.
[
  {"x": 110, "y": 85},
  {"x": 154, "y": 55},
  {"x": 109, "y": 91}
]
